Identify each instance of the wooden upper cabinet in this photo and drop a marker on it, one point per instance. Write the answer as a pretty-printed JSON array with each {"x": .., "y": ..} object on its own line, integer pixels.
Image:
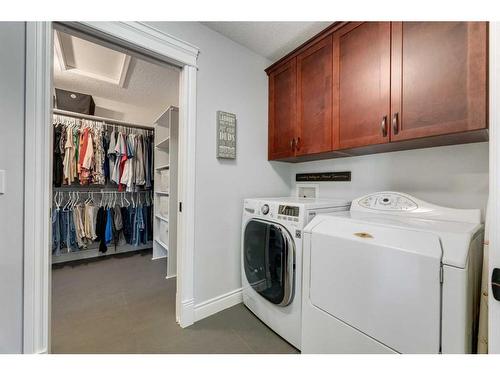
[
  {"x": 282, "y": 110},
  {"x": 363, "y": 68},
  {"x": 364, "y": 87},
  {"x": 314, "y": 98},
  {"x": 439, "y": 78}
]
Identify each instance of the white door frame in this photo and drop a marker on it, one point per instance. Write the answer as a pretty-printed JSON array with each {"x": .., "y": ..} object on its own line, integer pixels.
[
  {"x": 38, "y": 164},
  {"x": 494, "y": 185}
]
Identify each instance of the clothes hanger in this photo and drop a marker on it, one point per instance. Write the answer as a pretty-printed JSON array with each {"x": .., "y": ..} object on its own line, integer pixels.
[
  {"x": 68, "y": 202},
  {"x": 55, "y": 199},
  {"x": 60, "y": 200}
]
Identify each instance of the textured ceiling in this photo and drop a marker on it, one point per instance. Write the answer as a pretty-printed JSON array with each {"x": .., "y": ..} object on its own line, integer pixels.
[
  {"x": 272, "y": 40},
  {"x": 148, "y": 90}
]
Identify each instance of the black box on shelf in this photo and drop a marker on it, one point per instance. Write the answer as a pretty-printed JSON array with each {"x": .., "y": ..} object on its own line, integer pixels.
[{"x": 74, "y": 102}]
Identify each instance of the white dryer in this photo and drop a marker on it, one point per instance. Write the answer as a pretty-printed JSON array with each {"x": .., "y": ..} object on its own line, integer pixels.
[
  {"x": 393, "y": 275},
  {"x": 271, "y": 261}
]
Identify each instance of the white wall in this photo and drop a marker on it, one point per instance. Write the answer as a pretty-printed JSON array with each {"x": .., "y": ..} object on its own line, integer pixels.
[
  {"x": 12, "y": 58},
  {"x": 454, "y": 176},
  {"x": 230, "y": 78}
]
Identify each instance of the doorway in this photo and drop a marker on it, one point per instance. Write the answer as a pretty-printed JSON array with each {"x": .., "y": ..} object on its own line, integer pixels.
[
  {"x": 135, "y": 38},
  {"x": 115, "y": 167}
]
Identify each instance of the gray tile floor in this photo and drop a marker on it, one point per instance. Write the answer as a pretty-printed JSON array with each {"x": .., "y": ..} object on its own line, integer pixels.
[{"x": 125, "y": 305}]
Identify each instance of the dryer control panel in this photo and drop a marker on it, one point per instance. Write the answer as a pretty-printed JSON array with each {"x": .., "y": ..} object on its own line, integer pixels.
[
  {"x": 401, "y": 204},
  {"x": 388, "y": 202}
]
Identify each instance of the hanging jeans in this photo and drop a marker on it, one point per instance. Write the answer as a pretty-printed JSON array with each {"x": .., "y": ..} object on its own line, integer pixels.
[
  {"x": 133, "y": 224},
  {"x": 127, "y": 229},
  {"x": 68, "y": 232},
  {"x": 108, "y": 235},
  {"x": 138, "y": 226},
  {"x": 145, "y": 216},
  {"x": 56, "y": 232}
]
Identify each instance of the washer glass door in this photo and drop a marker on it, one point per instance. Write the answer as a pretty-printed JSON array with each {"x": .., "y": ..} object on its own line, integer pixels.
[{"x": 269, "y": 259}]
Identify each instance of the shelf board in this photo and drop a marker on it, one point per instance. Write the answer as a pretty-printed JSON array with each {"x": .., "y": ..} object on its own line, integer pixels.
[
  {"x": 161, "y": 243},
  {"x": 164, "y": 144},
  {"x": 161, "y": 218},
  {"x": 94, "y": 252},
  {"x": 161, "y": 167},
  {"x": 162, "y": 193}
]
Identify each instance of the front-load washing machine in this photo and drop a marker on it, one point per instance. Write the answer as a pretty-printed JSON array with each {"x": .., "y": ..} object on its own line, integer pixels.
[{"x": 271, "y": 261}]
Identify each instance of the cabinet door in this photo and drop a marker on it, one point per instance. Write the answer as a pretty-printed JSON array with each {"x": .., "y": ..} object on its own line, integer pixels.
[
  {"x": 282, "y": 110},
  {"x": 364, "y": 71},
  {"x": 439, "y": 78},
  {"x": 314, "y": 98}
]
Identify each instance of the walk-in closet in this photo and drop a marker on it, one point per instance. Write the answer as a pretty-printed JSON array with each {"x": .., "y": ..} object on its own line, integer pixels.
[{"x": 114, "y": 194}]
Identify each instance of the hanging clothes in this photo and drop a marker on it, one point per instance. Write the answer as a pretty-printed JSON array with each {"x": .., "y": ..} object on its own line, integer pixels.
[
  {"x": 91, "y": 152},
  {"x": 56, "y": 231},
  {"x": 57, "y": 168},
  {"x": 69, "y": 157},
  {"x": 81, "y": 225},
  {"x": 101, "y": 229}
]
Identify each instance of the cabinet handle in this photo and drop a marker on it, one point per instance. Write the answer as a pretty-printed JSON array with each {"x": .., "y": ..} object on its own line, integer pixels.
[
  {"x": 297, "y": 144},
  {"x": 292, "y": 143},
  {"x": 395, "y": 125},
  {"x": 383, "y": 126}
]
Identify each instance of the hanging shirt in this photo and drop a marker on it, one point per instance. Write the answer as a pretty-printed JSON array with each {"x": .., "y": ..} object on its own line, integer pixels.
[
  {"x": 57, "y": 172},
  {"x": 121, "y": 158},
  {"x": 69, "y": 157},
  {"x": 99, "y": 156},
  {"x": 84, "y": 137},
  {"x": 88, "y": 159},
  {"x": 139, "y": 166}
]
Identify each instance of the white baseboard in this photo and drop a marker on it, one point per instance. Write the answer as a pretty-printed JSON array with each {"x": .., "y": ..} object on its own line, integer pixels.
[
  {"x": 219, "y": 303},
  {"x": 187, "y": 313}
]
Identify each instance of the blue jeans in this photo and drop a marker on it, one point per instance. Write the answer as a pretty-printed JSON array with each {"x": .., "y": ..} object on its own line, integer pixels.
[
  {"x": 145, "y": 216},
  {"x": 138, "y": 226},
  {"x": 68, "y": 233},
  {"x": 56, "y": 232},
  {"x": 132, "y": 214}
]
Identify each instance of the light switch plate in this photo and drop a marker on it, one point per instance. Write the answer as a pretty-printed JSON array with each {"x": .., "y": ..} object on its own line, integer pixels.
[{"x": 2, "y": 182}]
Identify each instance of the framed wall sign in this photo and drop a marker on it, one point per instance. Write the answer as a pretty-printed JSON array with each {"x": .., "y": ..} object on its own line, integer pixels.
[{"x": 226, "y": 135}]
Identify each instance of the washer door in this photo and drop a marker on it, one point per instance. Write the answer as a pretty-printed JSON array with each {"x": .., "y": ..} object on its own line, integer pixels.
[{"x": 269, "y": 261}]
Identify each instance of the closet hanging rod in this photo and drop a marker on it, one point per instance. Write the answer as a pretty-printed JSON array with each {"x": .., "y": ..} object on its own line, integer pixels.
[{"x": 110, "y": 121}]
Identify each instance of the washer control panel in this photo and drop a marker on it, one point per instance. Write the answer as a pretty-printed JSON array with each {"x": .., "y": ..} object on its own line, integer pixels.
[{"x": 388, "y": 202}]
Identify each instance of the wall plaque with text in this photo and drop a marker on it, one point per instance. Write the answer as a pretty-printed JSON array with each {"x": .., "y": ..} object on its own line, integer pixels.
[{"x": 226, "y": 135}]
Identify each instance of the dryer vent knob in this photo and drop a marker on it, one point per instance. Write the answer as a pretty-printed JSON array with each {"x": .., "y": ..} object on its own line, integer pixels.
[{"x": 265, "y": 209}]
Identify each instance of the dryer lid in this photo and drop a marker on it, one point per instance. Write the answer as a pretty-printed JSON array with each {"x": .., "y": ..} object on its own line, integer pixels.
[
  {"x": 455, "y": 236},
  {"x": 383, "y": 281}
]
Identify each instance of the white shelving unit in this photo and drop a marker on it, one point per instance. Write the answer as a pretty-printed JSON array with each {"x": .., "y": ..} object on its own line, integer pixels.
[{"x": 165, "y": 188}]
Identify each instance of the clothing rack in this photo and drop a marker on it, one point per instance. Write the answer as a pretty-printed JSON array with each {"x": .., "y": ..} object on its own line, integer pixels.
[
  {"x": 78, "y": 194},
  {"x": 103, "y": 172},
  {"x": 63, "y": 196},
  {"x": 104, "y": 120}
]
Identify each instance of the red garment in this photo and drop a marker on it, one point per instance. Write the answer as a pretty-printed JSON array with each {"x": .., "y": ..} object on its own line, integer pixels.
[
  {"x": 84, "y": 139},
  {"x": 123, "y": 159}
]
